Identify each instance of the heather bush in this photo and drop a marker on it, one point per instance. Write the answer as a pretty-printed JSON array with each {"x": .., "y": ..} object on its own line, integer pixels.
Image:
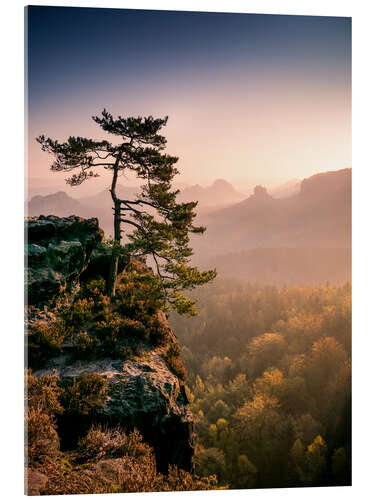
[
  {"x": 45, "y": 340},
  {"x": 180, "y": 480},
  {"x": 43, "y": 392},
  {"x": 112, "y": 443},
  {"x": 85, "y": 346},
  {"x": 42, "y": 406},
  {"x": 116, "y": 333},
  {"x": 79, "y": 312},
  {"x": 96, "y": 290},
  {"x": 139, "y": 296},
  {"x": 91, "y": 446},
  {"x": 41, "y": 438},
  {"x": 81, "y": 395}
]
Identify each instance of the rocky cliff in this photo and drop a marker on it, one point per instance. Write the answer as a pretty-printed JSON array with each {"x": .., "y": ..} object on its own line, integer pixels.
[
  {"x": 57, "y": 251},
  {"x": 116, "y": 364}
]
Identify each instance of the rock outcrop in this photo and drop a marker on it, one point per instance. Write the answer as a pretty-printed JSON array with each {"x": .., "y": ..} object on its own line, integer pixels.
[
  {"x": 57, "y": 251},
  {"x": 141, "y": 391},
  {"x": 142, "y": 394}
]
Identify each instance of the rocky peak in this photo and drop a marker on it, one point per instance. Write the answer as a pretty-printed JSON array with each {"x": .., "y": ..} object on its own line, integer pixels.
[{"x": 261, "y": 193}]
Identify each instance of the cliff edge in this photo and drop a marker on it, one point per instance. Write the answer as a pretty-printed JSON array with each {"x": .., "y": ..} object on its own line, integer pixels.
[{"x": 114, "y": 366}]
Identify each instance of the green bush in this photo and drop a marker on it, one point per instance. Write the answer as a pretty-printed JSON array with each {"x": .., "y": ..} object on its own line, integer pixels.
[
  {"x": 139, "y": 296},
  {"x": 159, "y": 331}
]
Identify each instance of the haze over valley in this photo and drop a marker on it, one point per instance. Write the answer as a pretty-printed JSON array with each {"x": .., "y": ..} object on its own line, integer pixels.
[{"x": 295, "y": 233}]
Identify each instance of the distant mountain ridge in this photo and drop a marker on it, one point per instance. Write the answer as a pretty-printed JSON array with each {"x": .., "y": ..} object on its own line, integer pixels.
[
  {"x": 318, "y": 216},
  {"x": 286, "y": 189},
  {"x": 60, "y": 204},
  {"x": 262, "y": 237},
  {"x": 221, "y": 192}
]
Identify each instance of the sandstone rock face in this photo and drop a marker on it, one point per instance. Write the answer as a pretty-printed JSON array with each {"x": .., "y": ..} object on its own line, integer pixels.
[
  {"x": 142, "y": 394},
  {"x": 57, "y": 251}
]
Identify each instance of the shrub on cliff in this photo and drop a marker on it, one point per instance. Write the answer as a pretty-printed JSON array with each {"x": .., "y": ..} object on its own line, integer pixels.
[
  {"x": 111, "y": 461},
  {"x": 85, "y": 346},
  {"x": 79, "y": 312},
  {"x": 83, "y": 394},
  {"x": 43, "y": 405},
  {"x": 112, "y": 443},
  {"x": 115, "y": 328},
  {"x": 44, "y": 392},
  {"x": 139, "y": 296},
  {"x": 45, "y": 340},
  {"x": 172, "y": 357}
]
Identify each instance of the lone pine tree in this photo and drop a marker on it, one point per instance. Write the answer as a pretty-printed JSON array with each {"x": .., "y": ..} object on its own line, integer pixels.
[{"x": 160, "y": 225}]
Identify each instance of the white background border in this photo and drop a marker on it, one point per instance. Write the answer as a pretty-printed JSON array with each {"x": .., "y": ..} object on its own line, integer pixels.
[{"x": 11, "y": 230}]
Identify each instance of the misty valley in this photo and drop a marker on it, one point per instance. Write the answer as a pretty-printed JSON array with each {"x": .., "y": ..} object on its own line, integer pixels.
[{"x": 302, "y": 237}]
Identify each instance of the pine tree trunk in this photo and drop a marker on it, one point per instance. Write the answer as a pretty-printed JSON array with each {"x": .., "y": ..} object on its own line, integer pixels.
[
  {"x": 112, "y": 277},
  {"x": 114, "y": 260},
  {"x": 117, "y": 233}
]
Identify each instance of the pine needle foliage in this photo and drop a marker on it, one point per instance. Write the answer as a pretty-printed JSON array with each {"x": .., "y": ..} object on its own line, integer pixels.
[{"x": 157, "y": 226}]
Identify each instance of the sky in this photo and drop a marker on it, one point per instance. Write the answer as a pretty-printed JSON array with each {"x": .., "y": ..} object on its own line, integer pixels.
[{"x": 251, "y": 98}]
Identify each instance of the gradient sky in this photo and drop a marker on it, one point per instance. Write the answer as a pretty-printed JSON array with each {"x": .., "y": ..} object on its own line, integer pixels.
[{"x": 250, "y": 98}]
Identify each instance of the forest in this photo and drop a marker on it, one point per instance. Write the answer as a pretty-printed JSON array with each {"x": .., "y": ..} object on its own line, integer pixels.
[{"x": 269, "y": 383}]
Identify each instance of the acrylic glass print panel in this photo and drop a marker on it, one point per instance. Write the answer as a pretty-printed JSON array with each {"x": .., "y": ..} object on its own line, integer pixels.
[{"x": 188, "y": 251}]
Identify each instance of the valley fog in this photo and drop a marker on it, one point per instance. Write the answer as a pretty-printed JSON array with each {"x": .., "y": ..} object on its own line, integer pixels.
[{"x": 298, "y": 232}]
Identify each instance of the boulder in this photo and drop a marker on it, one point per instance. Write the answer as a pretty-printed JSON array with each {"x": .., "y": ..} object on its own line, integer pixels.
[
  {"x": 142, "y": 394},
  {"x": 57, "y": 252}
]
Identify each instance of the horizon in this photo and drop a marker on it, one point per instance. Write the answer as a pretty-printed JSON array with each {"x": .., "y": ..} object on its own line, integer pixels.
[
  {"x": 77, "y": 194},
  {"x": 273, "y": 91}
]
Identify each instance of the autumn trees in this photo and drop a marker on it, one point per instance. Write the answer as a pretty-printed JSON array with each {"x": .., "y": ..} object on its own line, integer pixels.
[
  {"x": 272, "y": 395},
  {"x": 156, "y": 225}
]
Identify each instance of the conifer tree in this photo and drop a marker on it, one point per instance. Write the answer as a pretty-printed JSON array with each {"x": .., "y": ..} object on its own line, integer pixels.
[{"x": 156, "y": 224}]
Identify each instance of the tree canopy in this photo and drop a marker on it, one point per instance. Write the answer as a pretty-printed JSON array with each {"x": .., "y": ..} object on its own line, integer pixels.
[{"x": 157, "y": 226}]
